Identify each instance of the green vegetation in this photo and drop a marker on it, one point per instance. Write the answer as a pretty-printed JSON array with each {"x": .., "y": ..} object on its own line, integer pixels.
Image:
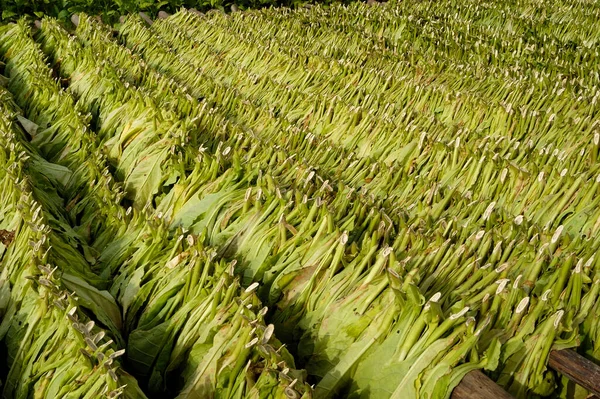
[
  {"x": 111, "y": 10},
  {"x": 364, "y": 201}
]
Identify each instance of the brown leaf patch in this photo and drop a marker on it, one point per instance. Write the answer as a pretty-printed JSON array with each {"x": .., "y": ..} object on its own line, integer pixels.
[{"x": 7, "y": 237}]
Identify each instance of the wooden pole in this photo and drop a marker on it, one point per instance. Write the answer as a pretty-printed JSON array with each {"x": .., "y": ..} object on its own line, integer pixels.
[
  {"x": 477, "y": 385},
  {"x": 577, "y": 368},
  {"x": 572, "y": 365}
]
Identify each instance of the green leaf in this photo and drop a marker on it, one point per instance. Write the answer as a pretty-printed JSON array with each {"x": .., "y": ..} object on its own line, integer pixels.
[
  {"x": 100, "y": 302},
  {"x": 414, "y": 366},
  {"x": 6, "y": 14},
  {"x": 197, "y": 206},
  {"x": 145, "y": 179},
  {"x": 143, "y": 347},
  {"x": 133, "y": 286},
  {"x": 52, "y": 171}
]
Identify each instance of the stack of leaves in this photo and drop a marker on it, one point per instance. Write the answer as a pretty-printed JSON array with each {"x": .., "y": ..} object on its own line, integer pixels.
[
  {"x": 83, "y": 202},
  {"x": 511, "y": 222},
  {"x": 193, "y": 331},
  {"x": 243, "y": 364},
  {"x": 54, "y": 349},
  {"x": 408, "y": 211},
  {"x": 311, "y": 272}
]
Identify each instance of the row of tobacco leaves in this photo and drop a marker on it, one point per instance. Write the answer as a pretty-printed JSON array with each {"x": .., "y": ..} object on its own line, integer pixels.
[{"x": 354, "y": 201}]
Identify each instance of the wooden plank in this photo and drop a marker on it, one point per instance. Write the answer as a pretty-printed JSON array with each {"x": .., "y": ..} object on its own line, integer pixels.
[
  {"x": 577, "y": 368},
  {"x": 477, "y": 385}
]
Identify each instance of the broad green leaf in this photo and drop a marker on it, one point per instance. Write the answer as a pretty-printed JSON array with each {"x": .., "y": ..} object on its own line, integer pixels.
[{"x": 100, "y": 302}]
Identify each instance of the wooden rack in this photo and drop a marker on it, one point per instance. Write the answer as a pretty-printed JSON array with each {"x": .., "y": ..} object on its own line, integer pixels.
[
  {"x": 569, "y": 363},
  {"x": 477, "y": 385}
]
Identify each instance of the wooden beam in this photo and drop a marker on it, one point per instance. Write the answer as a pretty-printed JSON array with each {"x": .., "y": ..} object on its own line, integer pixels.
[
  {"x": 477, "y": 385},
  {"x": 577, "y": 368}
]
